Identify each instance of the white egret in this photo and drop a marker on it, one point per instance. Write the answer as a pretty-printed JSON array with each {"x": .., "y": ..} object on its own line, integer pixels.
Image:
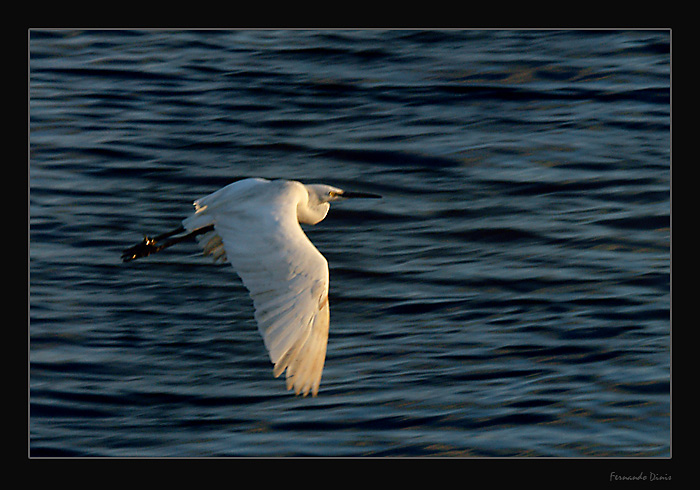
[{"x": 254, "y": 224}]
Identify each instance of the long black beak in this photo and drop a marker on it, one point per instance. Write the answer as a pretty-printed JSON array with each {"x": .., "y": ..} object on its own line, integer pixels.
[{"x": 368, "y": 195}]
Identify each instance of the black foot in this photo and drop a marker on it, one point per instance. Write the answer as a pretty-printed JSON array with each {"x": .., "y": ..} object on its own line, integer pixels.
[{"x": 143, "y": 249}]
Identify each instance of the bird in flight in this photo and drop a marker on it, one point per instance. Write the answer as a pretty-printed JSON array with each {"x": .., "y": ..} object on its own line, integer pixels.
[{"x": 254, "y": 224}]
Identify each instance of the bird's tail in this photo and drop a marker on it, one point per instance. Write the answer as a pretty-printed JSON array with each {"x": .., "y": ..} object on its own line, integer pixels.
[{"x": 150, "y": 245}]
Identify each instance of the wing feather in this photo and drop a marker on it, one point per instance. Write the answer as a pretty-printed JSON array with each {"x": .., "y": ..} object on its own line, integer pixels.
[{"x": 256, "y": 229}]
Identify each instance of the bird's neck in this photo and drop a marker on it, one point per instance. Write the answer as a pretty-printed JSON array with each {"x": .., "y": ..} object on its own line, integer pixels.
[{"x": 311, "y": 214}]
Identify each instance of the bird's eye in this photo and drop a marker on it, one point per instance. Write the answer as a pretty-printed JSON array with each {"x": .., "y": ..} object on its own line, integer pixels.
[{"x": 331, "y": 193}]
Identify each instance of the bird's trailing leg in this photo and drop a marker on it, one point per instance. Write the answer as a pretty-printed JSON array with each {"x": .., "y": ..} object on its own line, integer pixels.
[{"x": 152, "y": 245}]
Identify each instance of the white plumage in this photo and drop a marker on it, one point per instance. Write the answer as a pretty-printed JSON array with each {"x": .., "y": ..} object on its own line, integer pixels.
[{"x": 255, "y": 225}]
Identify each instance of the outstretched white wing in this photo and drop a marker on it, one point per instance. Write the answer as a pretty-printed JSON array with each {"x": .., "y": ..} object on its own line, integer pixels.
[{"x": 255, "y": 225}]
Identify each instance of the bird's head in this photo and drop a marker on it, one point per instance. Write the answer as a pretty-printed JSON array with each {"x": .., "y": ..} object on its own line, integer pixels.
[
  {"x": 321, "y": 193},
  {"x": 320, "y": 197}
]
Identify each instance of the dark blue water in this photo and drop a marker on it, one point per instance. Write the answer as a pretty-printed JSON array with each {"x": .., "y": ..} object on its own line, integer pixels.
[{"x": 509, "y": 296}]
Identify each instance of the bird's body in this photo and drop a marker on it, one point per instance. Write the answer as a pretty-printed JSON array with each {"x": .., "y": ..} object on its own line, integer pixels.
[{"x": 255, "y": 225}]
